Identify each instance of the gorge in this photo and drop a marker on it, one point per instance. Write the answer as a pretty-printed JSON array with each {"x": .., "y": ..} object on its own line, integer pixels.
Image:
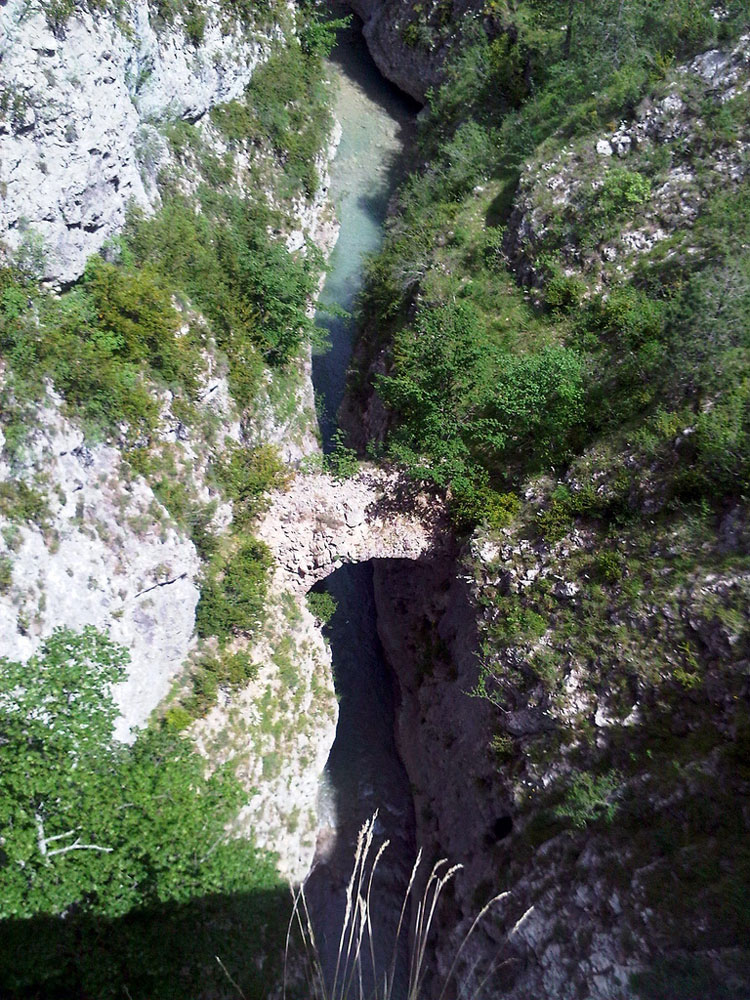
[{"x": 477, "y": 566}]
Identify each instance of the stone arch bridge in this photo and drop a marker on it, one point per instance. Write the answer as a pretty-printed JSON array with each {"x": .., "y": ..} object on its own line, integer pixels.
[{"x": 321, "y": 523}]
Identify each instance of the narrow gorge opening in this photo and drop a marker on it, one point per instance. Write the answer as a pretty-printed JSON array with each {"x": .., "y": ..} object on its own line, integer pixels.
[
  {"x": 364, "y": 773},
  {"x": 377, "y": 125},
  {"x": 392, "y": 669}
]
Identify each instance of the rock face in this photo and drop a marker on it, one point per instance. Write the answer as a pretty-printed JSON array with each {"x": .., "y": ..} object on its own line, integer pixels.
[
  {"x": 560, "y": 188},
  {"x": 408, "y": 50},
  {"x": 107, "y": 555},
  {"x": 427, "y": 621},
  {"x": 278, "y": 731},
  {"x": 321, "y": 523},
  {"x": 81, "y": 107}
]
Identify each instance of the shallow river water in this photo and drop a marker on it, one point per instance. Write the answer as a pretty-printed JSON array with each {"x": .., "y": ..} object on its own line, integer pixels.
[{"x": 364, "y": 772}]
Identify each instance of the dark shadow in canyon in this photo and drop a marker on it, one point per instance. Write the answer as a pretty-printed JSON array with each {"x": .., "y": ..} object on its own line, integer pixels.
[
  {"x": 165, "y": 952},
  {"x": 364, "y": 774}
]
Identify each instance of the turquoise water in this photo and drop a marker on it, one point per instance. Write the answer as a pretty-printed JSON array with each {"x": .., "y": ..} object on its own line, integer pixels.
[{"x": 377, "y": 125}]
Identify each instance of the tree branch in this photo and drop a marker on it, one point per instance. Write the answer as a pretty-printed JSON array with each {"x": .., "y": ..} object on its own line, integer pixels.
[{"x": 80, "y": 847}]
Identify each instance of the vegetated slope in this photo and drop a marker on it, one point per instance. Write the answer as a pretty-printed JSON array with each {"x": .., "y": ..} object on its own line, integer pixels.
[
  {"x": 143, "y": 413},
  {"x": 557, "y": 332}
]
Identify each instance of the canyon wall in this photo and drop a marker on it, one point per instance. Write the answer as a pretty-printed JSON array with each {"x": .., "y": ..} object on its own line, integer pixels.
[
  {"x": 82, "y": 103},
  {"x": 87, "y": 104}
]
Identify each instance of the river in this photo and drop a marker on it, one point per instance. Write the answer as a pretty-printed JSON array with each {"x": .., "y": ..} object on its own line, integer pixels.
[{"x": 364, "y": 772}]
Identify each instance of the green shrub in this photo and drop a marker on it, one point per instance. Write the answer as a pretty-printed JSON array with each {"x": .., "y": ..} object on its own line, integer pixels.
[
  {"x": 230, "y": 671},
  {"x": 322, "y": 605},
  {"x": 251, "y": 289},
  {"x": 341, "y": 462},
  {"x": 590, "y": 797},
  {"x": 233, "y": 593},
  {"x": 622, "y": 191},
  {"x": 286, "y": 106},
  {"x": 609, "y": 566},
  {"x": 472, "y": 504},
  {"x": 6, "y": 574},
  {"x": 24, "y": 504},
  {"x": 177, "y": 718},
  {"x": 247, "y": 474},
  {"x": 195, "y": 26},
  {"x": 515, "y": 622}
]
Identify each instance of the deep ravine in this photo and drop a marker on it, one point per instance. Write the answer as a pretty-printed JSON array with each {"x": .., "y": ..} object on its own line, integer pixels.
[{"x": 364, "y": 773}]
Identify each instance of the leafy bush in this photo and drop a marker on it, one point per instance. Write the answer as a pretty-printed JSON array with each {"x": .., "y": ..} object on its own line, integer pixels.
[
  {"x": 64, "y": 721},
  {"x": 225, "y": 670},
  {"x": 322, "y": 605},
  {"x": 472, "y": 503},
  {"x": 247, "y": 474},
  {"x": 609, "y": 566},
  {"x": 106, "y": 844},
  {"x": 286, "y": 106},
  {"x": 252, "y": 290},
  {"x": 341, "y": 462},
  {"x": 97, "y": 344},
  {"x": 622, "y": 191},
  {"x": 233, "y": 593},
  {"x": 22, "y": 503},
  {"x": 590, "y": 798},
  {"x": 6, "y": 574},
  {"x": 514, "y": 621}
]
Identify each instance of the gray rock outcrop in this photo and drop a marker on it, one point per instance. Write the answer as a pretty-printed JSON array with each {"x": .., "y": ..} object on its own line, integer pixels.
[
  {"x": 321, "y": 523},
  {"x": 80, "y": 111},
  {"x": 107, "y": 555},
  {"x": 408, "y": 51}
]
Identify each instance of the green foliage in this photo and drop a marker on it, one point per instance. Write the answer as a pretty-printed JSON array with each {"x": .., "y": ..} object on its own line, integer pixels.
[
  {"x": 135, "y": 318},
  {"x": 535, "y": 405},
  {"x": 318, "y": 36},
  {"x": 515, "y": 621},
  {"x": 22, "y": 503},
  {"x": 322, "y": 605},
  {"x": 622, "y": 191},
  {"x": 233, "y": 592},
  {"x": 432, "y": 388},
  {"x": 286, "y": 106},
  {"x": 94, "y": 824},
  {"x": 246, "y": 475},
  {"x": 252, "y": 290},
  {"x": 58, "y": 12},
  {"x": 341, "y": 462},
  {"x": 590, "y": 798},
  {"x": 93, "y": 829},
  {"x": 472, "y": 503},
  {"x": 6, "y": 574},
  {"x": 97, "y": 344},
  {"x": 227, "y": 671},
  {"x": 682, "y": 978},
  {"x": 609, "y": 566}
]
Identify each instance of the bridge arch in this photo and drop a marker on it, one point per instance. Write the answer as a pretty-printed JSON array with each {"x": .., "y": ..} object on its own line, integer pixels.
[{"x": 320, "y": 523}]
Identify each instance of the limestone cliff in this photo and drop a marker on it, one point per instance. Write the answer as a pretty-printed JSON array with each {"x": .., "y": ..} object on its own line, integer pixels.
[
  {"x": 86, "y": 106},
  {"x": 80, "y": 106}
]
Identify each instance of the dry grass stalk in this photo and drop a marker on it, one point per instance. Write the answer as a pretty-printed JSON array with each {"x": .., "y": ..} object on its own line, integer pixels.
[{"x": 356, "y": 938}]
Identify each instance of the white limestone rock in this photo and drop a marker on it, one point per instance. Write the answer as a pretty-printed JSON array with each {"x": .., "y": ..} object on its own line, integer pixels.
[
  {"x": 109, "y": 557},
  {"x": 79, "y": 139}
]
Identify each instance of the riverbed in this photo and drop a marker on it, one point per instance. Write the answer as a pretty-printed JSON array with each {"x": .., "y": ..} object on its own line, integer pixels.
[{"x": 364, "y": 773}]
